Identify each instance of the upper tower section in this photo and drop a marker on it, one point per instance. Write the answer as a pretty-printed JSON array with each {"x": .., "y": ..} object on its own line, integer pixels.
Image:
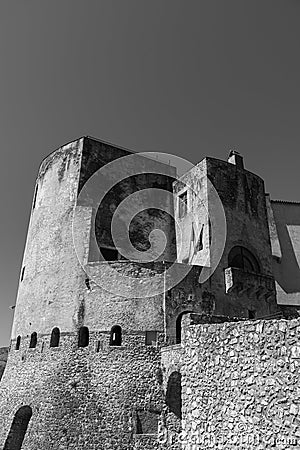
[
  {"x": 221, "y": 225},
  {"x": 242, "y": 196},
  {"x": 52, "y": 289}
]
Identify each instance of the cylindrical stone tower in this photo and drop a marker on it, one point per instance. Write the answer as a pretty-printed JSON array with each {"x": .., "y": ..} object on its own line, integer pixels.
[{"x": 84, "y": 365}]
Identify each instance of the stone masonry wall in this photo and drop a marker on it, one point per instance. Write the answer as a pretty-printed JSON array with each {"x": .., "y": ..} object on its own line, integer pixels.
[
  {"x": 84, "y": 398},
  {"x": 51, "y": 275},
  {"x": 240, "y": 385}
]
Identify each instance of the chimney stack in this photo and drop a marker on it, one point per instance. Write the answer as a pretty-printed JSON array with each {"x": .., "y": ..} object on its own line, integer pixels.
[{"x": 236, "y": 159}]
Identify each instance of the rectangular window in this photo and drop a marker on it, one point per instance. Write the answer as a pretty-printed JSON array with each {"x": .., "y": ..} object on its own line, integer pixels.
[
  {"x": 251, "y": 313},
  {"x": 182, "y": 204},
  {"x": 151, "y": 337}
]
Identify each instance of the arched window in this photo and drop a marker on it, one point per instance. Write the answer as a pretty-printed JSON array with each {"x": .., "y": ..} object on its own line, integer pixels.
[
  {"x": 242, "y": 258},
  {"x": 33, "y": 340},
  {"x": 83, "y": 337},
  {"x": 173, "y": 395},
  {"x": 18, "y": 343},
  {"x": 18, "y": 429},
  {"x": 55, "y": 336},
  {"x": 116, "y": 336}
]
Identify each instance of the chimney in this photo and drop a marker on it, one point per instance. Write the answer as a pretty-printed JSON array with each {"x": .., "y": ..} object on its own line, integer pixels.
[{"x": 236, "y": 159}]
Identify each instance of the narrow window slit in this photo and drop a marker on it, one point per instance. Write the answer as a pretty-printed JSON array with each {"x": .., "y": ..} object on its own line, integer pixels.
[{"x": 83, "y": 337}]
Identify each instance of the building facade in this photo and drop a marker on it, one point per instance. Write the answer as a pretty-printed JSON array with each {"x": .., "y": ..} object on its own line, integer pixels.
[{"x": 97, "y": 363}]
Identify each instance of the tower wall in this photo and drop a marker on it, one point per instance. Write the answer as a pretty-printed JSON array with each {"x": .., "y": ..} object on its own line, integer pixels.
[
  {"x": 102, "y": 395},
  {"x": 48, "y": 293},
  {"x": 242, "y": 194},
  {"x": 98, "y": 397},
  {"x": 229, "y": 291}
]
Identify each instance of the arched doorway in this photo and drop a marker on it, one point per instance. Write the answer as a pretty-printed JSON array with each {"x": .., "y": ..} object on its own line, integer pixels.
[
  {"x": 18, "y": 429},
  {"x": 179, "y": 326}
]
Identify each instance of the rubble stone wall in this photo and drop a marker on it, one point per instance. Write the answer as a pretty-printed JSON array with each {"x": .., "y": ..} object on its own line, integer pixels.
[{"x": 240, "y": 385}]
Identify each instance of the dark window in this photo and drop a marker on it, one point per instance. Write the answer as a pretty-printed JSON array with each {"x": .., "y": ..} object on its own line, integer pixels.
[
  {"x": 87, "y": 283},
  {"x": 55, "y": 336},
  {"x": 242, "y": 258},
  {"x": 18, "y": 343},
  {"x": 22, "y": 273},
  {"x": 98, "y": 346},
  {"x": 182, "y": 204},
  {"x": 151, "y": 337},
  {"x": 83, "y": 337},
  {"x": 173, "y": 396},
  {"x": 251, "y": 314},
  {"x": 109, "y": 254},
  {"x": 33, "y": 340},
  {"x": 116, "y": 335},
  {"x": 18, "y": 429}
]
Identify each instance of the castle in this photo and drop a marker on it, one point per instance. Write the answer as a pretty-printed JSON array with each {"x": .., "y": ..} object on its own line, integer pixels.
[{"x": 197, "y": 348}]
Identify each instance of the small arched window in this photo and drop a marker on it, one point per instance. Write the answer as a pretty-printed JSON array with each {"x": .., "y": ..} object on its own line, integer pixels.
[
  {"x": 55, "y": 336},
  {"x": 33, "y": 340},
  {"x": 18, "y": 343},
  {"x": 241, "y": 258},
  {"x": 18, "y": 429},
  {"x": 83, "y": 337},
  {"x": 116, "y": 336}
]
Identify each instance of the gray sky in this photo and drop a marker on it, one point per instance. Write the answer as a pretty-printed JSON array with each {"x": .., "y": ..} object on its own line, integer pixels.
[{"x": 193, "y": 78}]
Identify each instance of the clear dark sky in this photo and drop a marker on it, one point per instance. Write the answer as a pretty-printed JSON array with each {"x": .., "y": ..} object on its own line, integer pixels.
[{"x": 193, "y": 78}]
